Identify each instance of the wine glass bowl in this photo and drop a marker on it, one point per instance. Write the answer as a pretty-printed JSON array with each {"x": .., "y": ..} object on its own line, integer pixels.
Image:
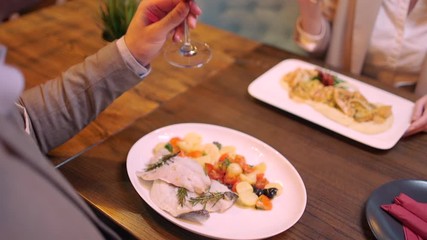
[
  {"x": 184, "y": 55},
  {"x": 187, "y": 54}
]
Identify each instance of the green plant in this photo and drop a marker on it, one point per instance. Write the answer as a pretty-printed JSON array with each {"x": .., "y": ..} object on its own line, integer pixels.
[{"x": 116, "y": 16}]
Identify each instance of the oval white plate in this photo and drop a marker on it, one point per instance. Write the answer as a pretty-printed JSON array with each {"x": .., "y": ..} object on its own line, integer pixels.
[{"x": 235, "y": 223}]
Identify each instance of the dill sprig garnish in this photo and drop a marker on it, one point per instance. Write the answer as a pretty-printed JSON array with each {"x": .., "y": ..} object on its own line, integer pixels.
[
  {"x": 169, "y": 147},
  {"x": 182, "y": 195},
  {"x": 218, "y": 145},
  {"x": 162, "y": 161},
  {"x": 207, "y": 197}
]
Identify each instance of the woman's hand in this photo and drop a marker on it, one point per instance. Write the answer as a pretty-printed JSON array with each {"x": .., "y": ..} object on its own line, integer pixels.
[
  {"x": 310, "y": 16},
  {"x": 419, "y": 117},
  {"x": 152, "y": 23}
]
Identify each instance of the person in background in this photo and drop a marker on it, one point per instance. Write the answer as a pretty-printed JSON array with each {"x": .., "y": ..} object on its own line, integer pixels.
[
  {"x": 11, "y": 8},
  {"x": 382, "y": 39},
  {"x": 36, "y": 200}
]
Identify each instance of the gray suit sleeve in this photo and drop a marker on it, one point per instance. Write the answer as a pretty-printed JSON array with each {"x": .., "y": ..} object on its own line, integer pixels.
[{"x": 61, "y": 107}]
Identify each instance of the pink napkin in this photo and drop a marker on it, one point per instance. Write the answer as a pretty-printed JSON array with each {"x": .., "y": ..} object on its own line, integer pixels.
[{"x": 412, "y": 215}]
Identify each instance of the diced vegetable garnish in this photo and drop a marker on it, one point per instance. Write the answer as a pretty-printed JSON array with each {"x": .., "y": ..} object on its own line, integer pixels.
[
  {"x": 278, "y": 186},
  {"x": 264, "y": 203},
  {"x": 246, "y": 195},
  {"x": 223, "y": 164}
]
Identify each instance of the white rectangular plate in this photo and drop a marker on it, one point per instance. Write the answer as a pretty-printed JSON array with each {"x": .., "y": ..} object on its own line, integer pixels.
[{"x": 268, "y": 89}]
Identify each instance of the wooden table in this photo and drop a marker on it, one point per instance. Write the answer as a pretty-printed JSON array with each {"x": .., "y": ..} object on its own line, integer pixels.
[
  {"x": 339, "y": 174},
  {"x": 45, "y": 43}
]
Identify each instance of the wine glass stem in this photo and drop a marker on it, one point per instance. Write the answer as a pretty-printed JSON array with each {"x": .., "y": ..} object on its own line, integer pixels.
[
  {"x": 187, "y": 39},
  {"x": 187, "y": 48}
]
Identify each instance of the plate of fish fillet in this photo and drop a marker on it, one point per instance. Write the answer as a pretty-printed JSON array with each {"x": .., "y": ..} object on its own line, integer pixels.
[{"x": 179, "y": 189}]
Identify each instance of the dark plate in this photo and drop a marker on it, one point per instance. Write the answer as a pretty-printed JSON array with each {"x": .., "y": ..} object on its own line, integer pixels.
[{"x": 381, "y": 223}]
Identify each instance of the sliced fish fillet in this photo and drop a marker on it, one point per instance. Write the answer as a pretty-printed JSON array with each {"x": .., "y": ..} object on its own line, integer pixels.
[
  {"x": 165, "y": 196},
  {"x": 181, "y": 172}
]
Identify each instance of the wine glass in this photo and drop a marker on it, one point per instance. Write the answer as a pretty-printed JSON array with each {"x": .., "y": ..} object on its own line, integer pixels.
[{"x": 188, "y": 54}]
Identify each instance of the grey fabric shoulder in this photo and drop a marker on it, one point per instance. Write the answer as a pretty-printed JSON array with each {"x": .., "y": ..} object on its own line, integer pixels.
[{"x": 61, "y": 107}]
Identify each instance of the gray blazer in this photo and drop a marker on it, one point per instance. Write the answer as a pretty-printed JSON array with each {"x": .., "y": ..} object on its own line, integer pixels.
[{"x": 36, "y": 201}]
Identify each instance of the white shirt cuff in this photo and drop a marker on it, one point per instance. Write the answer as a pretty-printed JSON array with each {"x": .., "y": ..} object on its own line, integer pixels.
[
  {"x": 308, "y": 41},
  {"x": 131, "y": 62}
]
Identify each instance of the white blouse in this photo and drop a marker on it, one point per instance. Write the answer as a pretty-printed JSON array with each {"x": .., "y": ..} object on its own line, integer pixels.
[{"x": 398, "y": 44}]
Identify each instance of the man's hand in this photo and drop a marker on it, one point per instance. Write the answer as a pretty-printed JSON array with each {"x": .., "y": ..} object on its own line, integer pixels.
[{"x": 152, "y": 23}]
